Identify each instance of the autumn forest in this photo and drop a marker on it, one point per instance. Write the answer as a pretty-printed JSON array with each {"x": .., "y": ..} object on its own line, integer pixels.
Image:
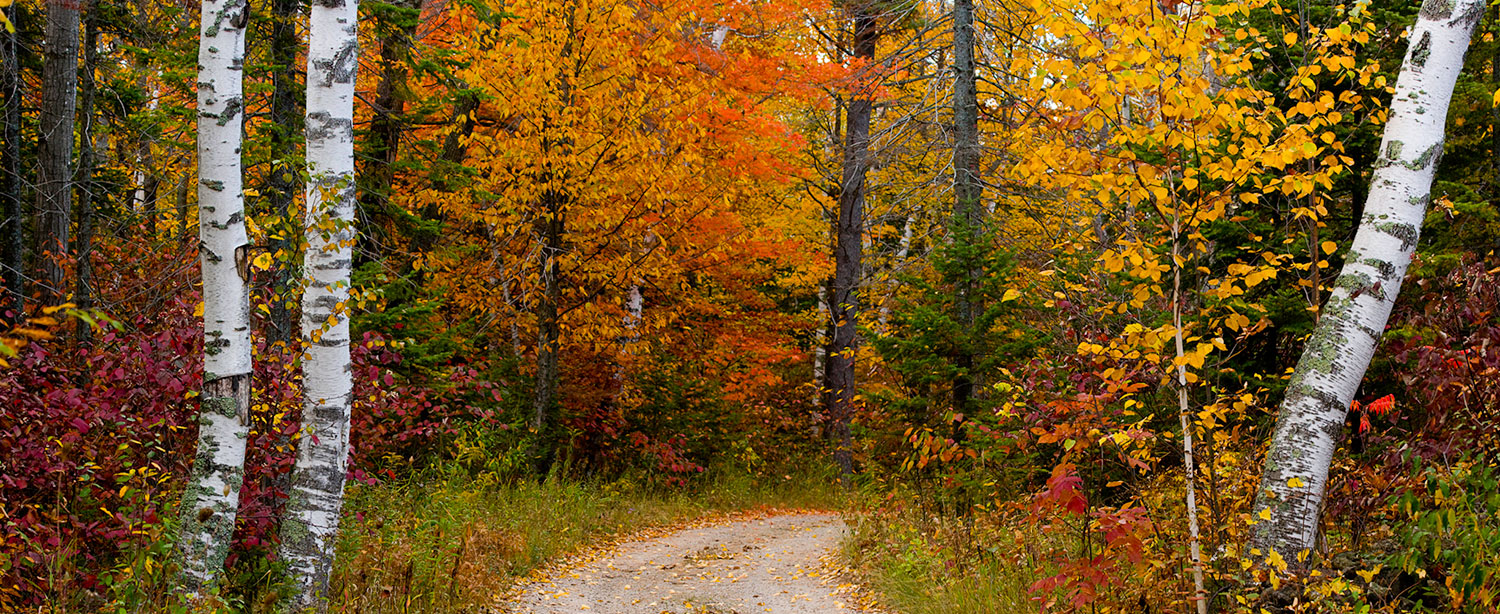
[{"x": 909, "y": 306}]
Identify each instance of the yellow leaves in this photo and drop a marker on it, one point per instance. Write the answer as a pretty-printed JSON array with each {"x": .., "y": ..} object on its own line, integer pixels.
[
  {"x": 1289, "y": 39},
  {"x": 1329, "y": 247},
  {"x": 1369, "y": 574},
  {"x": 1259, "y": 275},
  {"x": 262, "y": 262},
  {"x": 1011, "y": 294},
  {"x": 1295, "y": 483},
  {"x": 1275, "y": 561}
]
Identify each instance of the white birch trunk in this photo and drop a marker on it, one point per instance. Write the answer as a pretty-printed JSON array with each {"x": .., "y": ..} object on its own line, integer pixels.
[
  {"x": 820, "y": 346},
  {"x": 635, "y": 309},
  {"x": 312, "y": 517},
  {"x": 212, "y": 496},
  {"x": 1354, "y": 318},
  {"x": 1184, "y": 414}
]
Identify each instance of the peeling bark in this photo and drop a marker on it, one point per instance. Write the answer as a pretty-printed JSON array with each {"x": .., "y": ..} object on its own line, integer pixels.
[
  {"x": 1354, "y": 318},
  {"x": 213, "y": 492},
  {"x": 311, "y": 523}
]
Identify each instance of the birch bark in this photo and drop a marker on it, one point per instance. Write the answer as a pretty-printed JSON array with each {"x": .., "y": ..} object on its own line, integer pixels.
[
  {"x": 212, "y": 496},
  {"x": 1354, "y": 318},
  {"x": 317, "y": 495}
]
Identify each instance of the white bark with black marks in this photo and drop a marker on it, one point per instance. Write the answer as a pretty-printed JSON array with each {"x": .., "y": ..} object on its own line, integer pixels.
[
  {"x": 312, "y": 518},
  {"x": 211, "y": 499},
  {"x": 1354, "y": 318}
]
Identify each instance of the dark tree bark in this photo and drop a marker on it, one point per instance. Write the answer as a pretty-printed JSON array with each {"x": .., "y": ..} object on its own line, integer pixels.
[
  {"x": 549, "y": 333},
  {"x": 59, "y": 101},
  {"x": 968, "y": 192},
  {"x": 382, "y": 142},
  {"x": 83, "y": 291},
  {"x": 13, "y": 239},
  {"x": 849, "y": 248},
  {"x": 284, "y": 182}
]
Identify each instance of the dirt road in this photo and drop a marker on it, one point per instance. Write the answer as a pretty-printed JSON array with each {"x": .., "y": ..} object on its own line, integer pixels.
[{"x": 773, "y": 564}]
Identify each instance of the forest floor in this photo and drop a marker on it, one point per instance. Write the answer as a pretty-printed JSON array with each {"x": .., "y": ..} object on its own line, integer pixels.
[{"x": 783, "y": 563}]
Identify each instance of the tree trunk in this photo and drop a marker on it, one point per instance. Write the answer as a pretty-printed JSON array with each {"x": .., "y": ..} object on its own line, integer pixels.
[
  {"x": 83, "y": 289},
  {"x": 1354, "y": 317},
  {"x": 849, "y": 250},
  {"x": 544, "y": 393},
  {"x": 284, "y": 181},
  {"x": 212, "y": 496},
  {"x": 182, "y": 205},
  {"x": 968, "y": 192},
  {"x": 312, "y": 519},
  {"x": 1184, "y": 417},
  {"x": 382, "y": 142},
  {"x": 54, "y": 190},
  {"x": 13, "y": 239}
]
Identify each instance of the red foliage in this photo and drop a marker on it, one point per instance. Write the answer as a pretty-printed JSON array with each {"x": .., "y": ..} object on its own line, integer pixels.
[
  {"x": 89, "y": 442},
  {"x": 1114, "y": 538}
]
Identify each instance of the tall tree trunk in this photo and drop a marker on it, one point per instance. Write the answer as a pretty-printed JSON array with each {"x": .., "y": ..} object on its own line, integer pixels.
[
  {"x": 54, "y": 190},
  {"x": 312, "y": 518},
  {"x": 1184, "y": 417},
  {"x": 182, "y": 205},
  {"x": 549, "y": 332},
  {"x": 13, "y": 239},
  {"x": 968, "y": 192},
  {"x": 286, "y": 118},
  {"x": 1334, "y": 362},
  {"x": 382, "y": 142},
  {"x": 212, "y": 496},
  {"x": 83, "y": 289},
  {"x": 849, "y": 250},
  {"x": 552, "y": 223}
]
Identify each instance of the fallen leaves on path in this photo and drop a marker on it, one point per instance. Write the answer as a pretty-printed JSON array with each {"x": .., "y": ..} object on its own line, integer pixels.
[{"x": 778, "y": 561}]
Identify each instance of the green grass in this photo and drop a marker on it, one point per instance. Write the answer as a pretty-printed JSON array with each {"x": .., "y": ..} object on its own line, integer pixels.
[{"x": 921, "y": 564}]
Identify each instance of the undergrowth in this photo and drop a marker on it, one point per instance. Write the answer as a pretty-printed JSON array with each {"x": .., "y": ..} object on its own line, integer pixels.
[{"x": 922, "y": 563}]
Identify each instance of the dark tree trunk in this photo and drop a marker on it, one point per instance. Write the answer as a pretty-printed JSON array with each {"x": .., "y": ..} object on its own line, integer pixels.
[
  {"x": 183, "y": 185},
  {"x": 849, "y": 248},
  {"x": 54, "y": 176},
  {"x": 150, "y": 193},
  {"x": 13, "y": 239},
  {"x": 968, "y": 208},
  {"x": 544, "y": 395},
  {"x": 284, "y": 182},
  {"x": 83, "y": 292},
  {"x": 382, "y": 142}
]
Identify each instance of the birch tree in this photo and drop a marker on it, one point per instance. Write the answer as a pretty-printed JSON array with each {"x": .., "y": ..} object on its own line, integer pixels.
[
  {"x": 312, "y": 517},
  {"x": 1333, "y": 363},
  {"x": 212, "y": 495}
]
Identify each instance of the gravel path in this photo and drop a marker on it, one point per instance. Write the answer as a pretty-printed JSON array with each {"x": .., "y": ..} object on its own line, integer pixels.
[{"x": 769, "y": 564}]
